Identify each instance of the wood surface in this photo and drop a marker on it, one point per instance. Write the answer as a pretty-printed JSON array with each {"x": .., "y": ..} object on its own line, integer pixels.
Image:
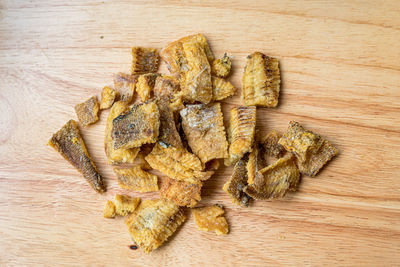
[{"x": 340, "y": 64}]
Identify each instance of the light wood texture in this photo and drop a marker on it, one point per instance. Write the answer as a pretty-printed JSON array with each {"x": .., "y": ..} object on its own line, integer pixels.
[{"x": 340, "y": 63}]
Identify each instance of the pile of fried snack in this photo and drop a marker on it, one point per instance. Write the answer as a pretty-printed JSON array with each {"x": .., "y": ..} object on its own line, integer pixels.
[{"x": 175, "y": 125}]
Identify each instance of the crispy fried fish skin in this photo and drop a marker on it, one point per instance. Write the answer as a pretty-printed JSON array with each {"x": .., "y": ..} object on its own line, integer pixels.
[
  {"x": 137, "y": 127},
  {"x": 154, "y": 222},
  {"x": 204, "y": 129},
  {"x": 69, "y": 143},
  {"x": 237, "y": 182},
  {"x": 125, "y": 85},
  {"x": 270, "y": 144},
  {"x": 168, "y": 133},
  {"x": 177, "y": 163},
  {"x": 311, "y": 150},
  {"x": 145, "y": 85},
  {"x": 166, "y": 86},
  {"x": 144, "y": 60},
  {"x": 121, "y": 155},
  {"x": 180, "y": 192},
  {"x": 254, "y": 164},
  {"x": 221, "y": 88},
  {"x": 125, "y": 204},
  {"x": 108, "y": 96},
  {"x": 261, "y": 81},
  {"x": 221, "y": 67},
  {"x": 211, "y": 218},
  {"x": 88, "y": 111},
  {"x": 241, "y": 132},
  {"x": 136, "y": 179},
  {"x": 275, "y": 180},
  {"x": 109, "y": 210}
]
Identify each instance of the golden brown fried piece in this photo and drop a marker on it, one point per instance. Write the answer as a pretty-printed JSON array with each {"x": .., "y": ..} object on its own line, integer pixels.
[
  {"x": 221, "y": 67},
  {"x": 270, "y": 145},
  {"x": 177, "y": 163},
  {"x": 261, "y": 81},
  {"x": 168, "y": 133},
  {"x": 109, "y": 210},
  {"x": 108, "y": 96},
  {"x": 136, "y": 179},
  {"x": 241, "y": 132},
  {"x": 153, "y": 222},
  {"x": 145, "y": 85},
  {"x": 237, "y": 182},
  {"x": 204, "y": 129},
  {"x": 311, "y": 150},
  {"x": 275, "y": 180},
  {"x": 166, "y": 86},
  {"x": 222, "y": 88},
  {"x": 88, "y": 111},
  {"x": 137, "y": 127},
  {"x": 180, "y": 192},
  {"x": 121, "y": 155},
  {"x": 254, "y": 164},
  {"x": 144, "y": 60},
  {"x": 125, "y": 85},
  {"x": 69, "y": 143},
  {"x": 211, "y": 218},
  {"x": 125, "y": 204}
]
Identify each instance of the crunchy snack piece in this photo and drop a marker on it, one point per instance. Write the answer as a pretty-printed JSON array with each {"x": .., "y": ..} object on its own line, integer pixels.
[
  {"x": 109, "y": 210},
  {"x": 144, "y": 60},
  {"x": 271, "y": 146},
  {"x": 168, "y": 133},
  {"x": 125, "y": 204},
  {"x": 222, "y": 88},
  {"x": 121, "y": 155},
  {"x": 237, "y": 182},
  {"x": 154, "y": 221},
  {"x": 180, "y": 192},
  {"x": 136, "y": 179},
  {"x": 189, "y": 59},
  {"x": 241, "y": 132},
  {"x": 138, "y": 126},
  {"x": 177, "y": 163},
  {"x": 211, "y": 218},
  {"x": 221, "y": 67},
  {"x": 88, "y": 111},
  {"x": 165, "y": 86},
  {"x": 204, "y": 129},
  {"x": 261, "y": 81},
  {"x": 125, "y": 85},
  {"x": 108, "y": 96},
  {"x": 254, "y": 164},
  {"x": 311, "y": 150},
  {"x": 145, "y": 85},
  {"x": 69, "y": 143},
  {"x": 275, "y": 180}
]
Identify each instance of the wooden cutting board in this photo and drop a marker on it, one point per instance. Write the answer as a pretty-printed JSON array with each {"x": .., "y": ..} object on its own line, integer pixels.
[{"x": 340, "y": 63}]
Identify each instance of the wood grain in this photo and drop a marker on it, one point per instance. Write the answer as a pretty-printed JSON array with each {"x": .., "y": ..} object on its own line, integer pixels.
[{"x": 341, "y": 77}]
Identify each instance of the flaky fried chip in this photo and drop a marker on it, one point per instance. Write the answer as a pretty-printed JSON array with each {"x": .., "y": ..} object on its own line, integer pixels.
[
  {"x": 177, "y": 163},
  {"x": 153, "y": 222},
  {"x": 109, "y": 210},
  {"x": 69, "y": 143},
  {"x": 108, "y": 96},
  {"x": 180, "y": 192},
  {"x": 241, "y": 132},
  {"x": 88, "y": 111},
  {"x": 121, "y": 155},
  {"x": 311, "y": 150},
  {"x": 211, "y": 218},
  {"x": 275, "y": 180},
  {"x": 254, "y": 164},
  {"x": 222, "y": 88},
  {"x": 144, "y": 60},
  {"x": 261, "y": 81},
  {"x": 270, "y": 145},
  {"x": 221, "y": 67},
  {"x": 137, "y": 127},
  {"x": 125, "y": 85},
  {"x": 125, "y": 204},
  {"x": 136, "y": 179},
  {"x": 145, "y": 85},
  {"x": 166, "y": 86},
  {"x": 237, "y": 182},
  {"x": 204, "y": 129},
  {"x": 168, "y": 133}
]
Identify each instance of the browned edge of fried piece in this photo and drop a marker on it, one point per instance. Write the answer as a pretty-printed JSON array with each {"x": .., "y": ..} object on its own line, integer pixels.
[
  {"x": 125, "y": 85},
  {"x": 136, "y": 179},
  {"x": 270, "y": 145},
  {"x": 88, "y": 111},
  {"x": 168, "y": 133},
  {"x": 221, "y": 88},
  {"x": 221, "y": 67},
  {"x": 109, "y": 210},
  {"x": 144, "y": 60},
  {"x": 166, "y": 86},
  {"x": 255, "y": 163},
  {"x": 180, "y": 192},
  {"x": 210, "y": 218},
  {"x": 145, "y": 85},
  {"x": 70, "y": 144},
  {"x": 108, "y": 96},
  {"x": 125, "y": 204}
]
